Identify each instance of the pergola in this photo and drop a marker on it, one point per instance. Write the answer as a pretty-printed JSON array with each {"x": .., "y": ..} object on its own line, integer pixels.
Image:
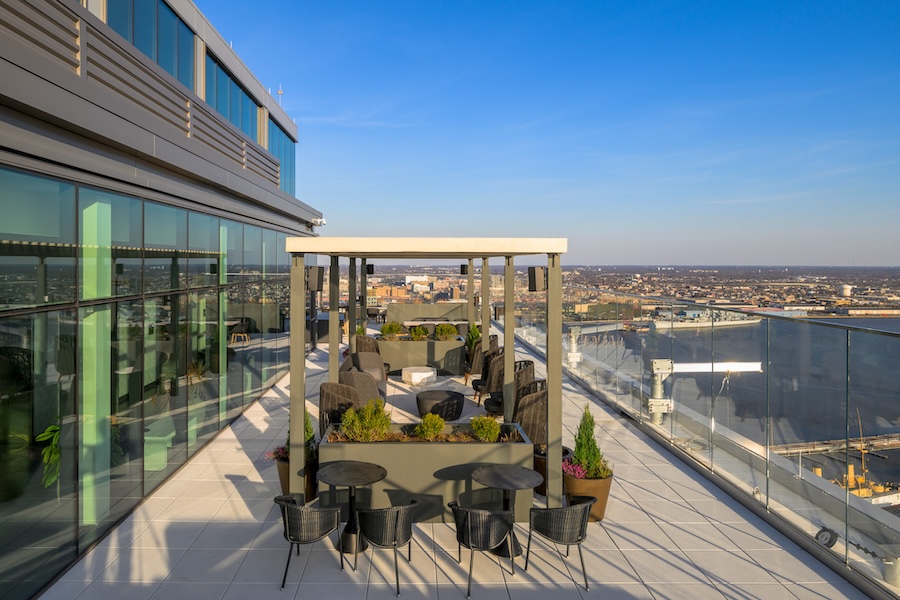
[{"x": 469, "y": 249}]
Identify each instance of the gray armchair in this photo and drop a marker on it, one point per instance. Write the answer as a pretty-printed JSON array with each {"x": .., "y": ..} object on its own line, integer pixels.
[{"x": 365, "y": 385}]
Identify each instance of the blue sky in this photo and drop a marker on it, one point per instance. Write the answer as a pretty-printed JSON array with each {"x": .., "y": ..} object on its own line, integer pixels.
[{"x": 644, "y": 132}]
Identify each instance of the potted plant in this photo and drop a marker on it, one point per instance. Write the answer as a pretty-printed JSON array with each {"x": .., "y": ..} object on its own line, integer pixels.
[
  {"x": 418, "y": 333},
  {"x": 430, "y": 461},
  {"x": 587, "y": 472},
  {"x": 391, "y": 330},
  {"x": 281, "y": 456},
  {"x": 472, "y": 338},
  {"x": 445, "y": 331}
]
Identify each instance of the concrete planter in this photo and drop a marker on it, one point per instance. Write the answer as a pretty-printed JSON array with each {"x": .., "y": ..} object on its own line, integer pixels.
[
  {"x": 448, "y": 357},
  {"x": 434, "y": 473}
]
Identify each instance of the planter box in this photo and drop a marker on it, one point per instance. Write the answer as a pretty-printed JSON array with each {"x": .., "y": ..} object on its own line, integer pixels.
[
  {"x": 434, "y": 473},
  {"x": 448, "y": 357}
]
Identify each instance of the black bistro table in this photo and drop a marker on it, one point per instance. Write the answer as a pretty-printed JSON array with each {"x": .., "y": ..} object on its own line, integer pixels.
[
  {"x": 507, "y": 478},
  {"x": 351, "y": 473}
]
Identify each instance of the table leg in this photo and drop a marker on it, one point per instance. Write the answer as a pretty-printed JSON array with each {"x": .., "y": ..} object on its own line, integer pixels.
[
  {"x": 350, "y": 535},
  {"x": 503, "y": 549}
]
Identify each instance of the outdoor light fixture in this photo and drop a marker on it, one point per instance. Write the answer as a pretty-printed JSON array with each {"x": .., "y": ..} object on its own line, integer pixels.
[
  {"x": 537, "y": 279},
  {"x": 370, "y": 269},
  {"x": 463, "y": 269},
  {"x": 315, "y": 278}
]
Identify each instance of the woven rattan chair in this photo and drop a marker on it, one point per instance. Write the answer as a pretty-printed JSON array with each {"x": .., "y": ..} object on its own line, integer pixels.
[
  {"x": 480, "y": 529},
  {"x": 492, "y": 378},
  {"x": 387, "y": 528},
  {"x": 475, "y": 363},
  {"x": 566, "y": 525},
  {"x": 524, "y": 374},
  {"x": 305, "y": 525},
  {"x": 334, "y": 400},
  {"x": 366, "y": 343},
  {"x": 531, "y": 411},
  {"x": 364, "y": 384}
]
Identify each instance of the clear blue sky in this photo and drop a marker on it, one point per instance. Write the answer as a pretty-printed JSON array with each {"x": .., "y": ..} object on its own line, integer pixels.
[{"x": 692, "y": 132}]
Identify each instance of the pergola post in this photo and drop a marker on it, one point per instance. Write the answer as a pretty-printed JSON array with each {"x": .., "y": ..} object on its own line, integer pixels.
[
  {"x": 554, "y": 381},
  {"x": 485, "y": 302},
  {"x": 364, "y": 294},
  {"x": 351, "y": 305},
  {"x": 297, "y": 419},
  {"x": 470, "y": 293},
  {"x": 334, "y": 320},
  {"x": 509, "y": 339}
]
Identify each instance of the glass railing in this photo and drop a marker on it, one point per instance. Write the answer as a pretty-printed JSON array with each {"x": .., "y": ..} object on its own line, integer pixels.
[{"x": 800, "y": 415}]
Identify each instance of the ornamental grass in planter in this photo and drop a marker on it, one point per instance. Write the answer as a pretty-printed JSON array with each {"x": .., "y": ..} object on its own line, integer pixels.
[{"x": 587, "y": 472}]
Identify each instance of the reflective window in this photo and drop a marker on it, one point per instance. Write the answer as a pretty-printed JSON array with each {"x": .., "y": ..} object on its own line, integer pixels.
[
  {"x": 110, "y": 241},
  {"x": 37, "y": 245},
  {"x": 165, "y": 245},
  {"x": 204, "y": 261},
  {"x": 252, "y": 252},
  {"x": 231, "y": 100},
  {"x": 269, "y": 251},
  {"x": 232, "y": 245},
  {"x": 145, "y": 27},
  {"x": 158, "y": 32},
  {"x": 284, "y": 149},
  {"x": 168, "y": 39},
  {"x": 37, "y": 500}
]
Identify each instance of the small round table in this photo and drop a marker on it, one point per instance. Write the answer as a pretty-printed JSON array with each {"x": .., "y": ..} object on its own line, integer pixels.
[
  {"x": 351, "y": 473},
  {"x": 446, "y": 403},
  {"x": 418, "y": 375},
  {"x": 507, "y": 478}
]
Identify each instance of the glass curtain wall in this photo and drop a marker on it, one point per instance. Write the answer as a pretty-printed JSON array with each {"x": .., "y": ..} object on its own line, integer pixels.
[{"x": 131, "y": 332}]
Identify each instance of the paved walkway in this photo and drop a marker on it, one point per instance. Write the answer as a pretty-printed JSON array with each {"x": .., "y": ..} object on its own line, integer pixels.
[{"x": 213, "y": 532}]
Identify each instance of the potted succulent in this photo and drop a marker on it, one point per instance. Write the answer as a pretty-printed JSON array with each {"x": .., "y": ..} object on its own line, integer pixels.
[
  {"x": 281, "y": 456},
  {"x": 587, "y": 472}
]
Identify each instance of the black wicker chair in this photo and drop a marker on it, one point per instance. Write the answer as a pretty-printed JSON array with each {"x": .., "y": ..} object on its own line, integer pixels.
[
  {"x": 305, "y": 525},
  {"x": 531, "y": 411},
  {"x": 480, "y": 529},
  {"x": 492, "y": 378},
  {"x": 566, "y": 525},
  {"x": 387, "y": 528},
  {"x": 475, "y": 364},
  {"x": 366, "y": 343},
  {"x": 365, "y": 385},
  {"x": 334, "y": 400}
]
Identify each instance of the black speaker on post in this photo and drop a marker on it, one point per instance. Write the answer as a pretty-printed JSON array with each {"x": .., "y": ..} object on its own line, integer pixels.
[
  {"x": 463, "y": 269},
  {"x": 537, "y": 279},
  {"x": 315, "y": 278},
  {"x": 370, "y": 269}
]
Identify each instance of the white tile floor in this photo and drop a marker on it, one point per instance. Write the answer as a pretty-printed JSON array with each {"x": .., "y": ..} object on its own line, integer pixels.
[{"x": 213, "y": 532}]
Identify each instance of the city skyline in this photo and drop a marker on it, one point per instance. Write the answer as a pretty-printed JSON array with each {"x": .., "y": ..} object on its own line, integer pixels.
[{"x": 648, "y": 133}]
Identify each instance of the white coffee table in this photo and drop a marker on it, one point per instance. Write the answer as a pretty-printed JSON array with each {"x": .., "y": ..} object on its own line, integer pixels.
[{"x": 418, "y": 375}]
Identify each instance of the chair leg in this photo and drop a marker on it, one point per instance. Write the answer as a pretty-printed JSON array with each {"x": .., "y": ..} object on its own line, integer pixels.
[
  {"x": 581, "y": 556},
  {"x": 471, "y": 562},
  {"x": 396, "y": 571},
  {"x": 528, "y": 550},
  {"x": 287, "y": 566},
  {"x": 512, "y": 555}
]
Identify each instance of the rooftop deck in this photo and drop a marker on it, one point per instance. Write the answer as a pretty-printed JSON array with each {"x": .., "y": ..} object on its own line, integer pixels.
[{"x": 212, "y": 531}]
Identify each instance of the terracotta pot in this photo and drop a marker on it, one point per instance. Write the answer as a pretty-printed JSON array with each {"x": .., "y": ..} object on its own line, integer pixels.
[
  {"x": 540, "y": 465},
  {"x": 598, "y": 488}
]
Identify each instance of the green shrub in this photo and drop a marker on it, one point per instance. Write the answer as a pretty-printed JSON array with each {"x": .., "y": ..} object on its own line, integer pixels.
[
  {"x": 391, "y": 330},
  {"x": 360, "y": 330},
  {"x": 587, "y": 454},
  {"x": 472, "y": 337},
  {"x": 370, "y": 423},
  {"x": 485, "y": 428},
  {"x": 430, "y": 428},
  {"x": 445, "y": 331},
  {"x": 418, "y": 333}
]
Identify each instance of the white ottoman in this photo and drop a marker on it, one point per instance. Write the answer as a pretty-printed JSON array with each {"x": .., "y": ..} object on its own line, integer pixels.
[{"x": 418, "y": 375}]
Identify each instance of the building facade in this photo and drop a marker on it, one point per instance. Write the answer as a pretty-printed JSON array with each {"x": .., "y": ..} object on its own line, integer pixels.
[{"x": 147, "y": 190}]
